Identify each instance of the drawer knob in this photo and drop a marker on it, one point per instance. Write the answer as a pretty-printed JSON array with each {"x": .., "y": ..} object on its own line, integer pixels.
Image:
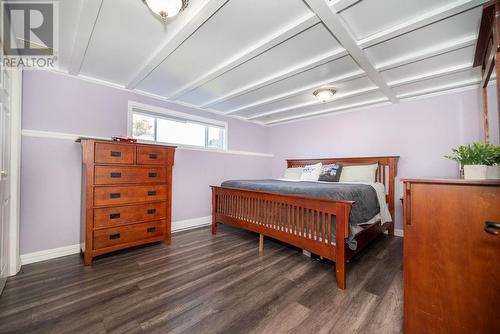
[
  {"x": 116, "y": 153},
  {"x": 114, "y": 216},
  {"x": 115, "y": 175},
  {"x": 151, "y": 193},
  {"x": 153, "y": 156},
  {"x": 491, "y": 228},
  {"x": 151, "y": 229},
  {"x": 114, "y": 236},
  {"x": 152, "y": 174},
  {"x": 115, "y": 195},
  {"x": 151, "y": 211}
]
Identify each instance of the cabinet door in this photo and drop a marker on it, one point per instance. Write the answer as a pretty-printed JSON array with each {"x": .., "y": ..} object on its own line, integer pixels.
[{"x": 451, "y": 264}]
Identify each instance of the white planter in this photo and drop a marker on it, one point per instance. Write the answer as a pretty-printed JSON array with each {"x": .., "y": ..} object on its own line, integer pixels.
[
  {"x": 493, "y": 172},
  {"x": 475, "y": 172}
]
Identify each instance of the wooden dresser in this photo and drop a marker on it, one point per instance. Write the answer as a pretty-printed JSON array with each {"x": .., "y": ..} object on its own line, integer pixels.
[
  {"x": 126, "y": 195},
  {"x": 451, "y": 256}
]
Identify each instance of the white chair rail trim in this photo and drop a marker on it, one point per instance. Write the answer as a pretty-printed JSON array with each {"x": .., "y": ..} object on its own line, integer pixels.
[{"x": 73, "y": 137}]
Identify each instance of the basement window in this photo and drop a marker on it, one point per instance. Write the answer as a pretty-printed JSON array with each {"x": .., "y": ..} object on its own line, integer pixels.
[{"x": 159, "y": 125}]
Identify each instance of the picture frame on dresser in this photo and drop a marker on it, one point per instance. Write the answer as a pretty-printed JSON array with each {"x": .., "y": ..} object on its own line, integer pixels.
[{"x": 126, "y": 195}]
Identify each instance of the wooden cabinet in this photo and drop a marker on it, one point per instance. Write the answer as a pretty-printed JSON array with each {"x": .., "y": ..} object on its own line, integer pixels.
[
  {"x": 126, "y": 195},
  {"x": 451, "y": 256}
]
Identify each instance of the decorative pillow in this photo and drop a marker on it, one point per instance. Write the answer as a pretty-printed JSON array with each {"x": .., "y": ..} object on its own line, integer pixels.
[
  {"x": 311, "y": 172},
  {"x": 330, "y": 173},
  {"x": 359, "y": 173},
  {"x": 293, "y": 173}
]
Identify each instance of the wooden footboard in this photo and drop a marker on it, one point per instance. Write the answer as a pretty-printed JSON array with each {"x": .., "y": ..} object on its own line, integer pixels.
[{"x": 304, "y": 222}]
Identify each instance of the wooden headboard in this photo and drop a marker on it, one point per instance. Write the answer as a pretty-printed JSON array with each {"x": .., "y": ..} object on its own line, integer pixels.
[{"x": 386, "y": 173}]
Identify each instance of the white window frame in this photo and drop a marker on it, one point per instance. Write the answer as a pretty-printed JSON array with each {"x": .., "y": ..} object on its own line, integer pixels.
[{"x": 149, "y": 110}]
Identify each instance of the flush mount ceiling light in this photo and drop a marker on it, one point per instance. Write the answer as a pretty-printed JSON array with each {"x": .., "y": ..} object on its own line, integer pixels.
[
  {"x": 166, "y": 8},
  {"x": 325, "y": 93}
]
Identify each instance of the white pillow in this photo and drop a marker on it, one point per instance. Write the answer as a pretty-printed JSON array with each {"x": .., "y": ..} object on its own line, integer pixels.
[
  {"x": 359, "y": 173},
  {"x": 293, "y": 173},
  {"x": 311, "y": 172}
]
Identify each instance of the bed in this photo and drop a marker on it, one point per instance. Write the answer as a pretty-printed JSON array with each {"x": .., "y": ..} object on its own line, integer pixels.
[{"x": 330, "y": 220}]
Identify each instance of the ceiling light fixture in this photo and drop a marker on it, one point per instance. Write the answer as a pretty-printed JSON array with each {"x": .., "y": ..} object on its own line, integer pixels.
[
  {"x": 325, "y": 93},
  {"x": 166, "y": 8}
]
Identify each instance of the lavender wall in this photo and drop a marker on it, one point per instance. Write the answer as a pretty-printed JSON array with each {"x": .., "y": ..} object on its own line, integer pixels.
[
  {"x": 51, "y": 168},
  {"x": 421, "y": 132}
]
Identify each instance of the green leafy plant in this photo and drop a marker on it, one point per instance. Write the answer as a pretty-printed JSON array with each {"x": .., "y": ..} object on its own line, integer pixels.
[{"x": 476, "y": 154}]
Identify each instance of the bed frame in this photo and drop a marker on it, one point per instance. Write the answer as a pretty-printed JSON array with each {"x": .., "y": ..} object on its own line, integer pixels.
[{"x": 272, "y": 214}]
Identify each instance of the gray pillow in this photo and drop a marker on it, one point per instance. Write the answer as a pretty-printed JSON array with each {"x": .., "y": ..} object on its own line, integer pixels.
[{"x": 330, "y": 173}]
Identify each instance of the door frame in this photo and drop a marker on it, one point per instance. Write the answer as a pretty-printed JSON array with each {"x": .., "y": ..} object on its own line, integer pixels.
[{"x": 13, "y": 257}]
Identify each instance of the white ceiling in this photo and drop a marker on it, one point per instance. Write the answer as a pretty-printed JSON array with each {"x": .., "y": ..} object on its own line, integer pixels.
[{"x": 261, "y": 60}]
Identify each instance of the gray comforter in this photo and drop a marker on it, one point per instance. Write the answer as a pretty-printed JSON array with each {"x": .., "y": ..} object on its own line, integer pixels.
[{"x": 366, "y": 204}]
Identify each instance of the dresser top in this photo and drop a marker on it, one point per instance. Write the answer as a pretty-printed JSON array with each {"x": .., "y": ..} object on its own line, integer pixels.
[
  {"x": 101, "y": 139},
  {"x": 449, "y": 180}
]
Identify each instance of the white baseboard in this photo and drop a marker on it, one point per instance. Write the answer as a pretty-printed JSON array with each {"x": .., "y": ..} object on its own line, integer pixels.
[
  {"x": 49, "y": 254},
  {"x": 188, "y": 224},
  {"x": 3, "y": 280},
  {"x": 3, "y": 277},
  {"x": 397, "y": 232},
  {"x": 178, "y": 226}
]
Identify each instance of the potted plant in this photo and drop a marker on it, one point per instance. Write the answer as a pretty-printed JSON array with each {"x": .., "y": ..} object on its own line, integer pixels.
[{"x": 480, "y": 161}]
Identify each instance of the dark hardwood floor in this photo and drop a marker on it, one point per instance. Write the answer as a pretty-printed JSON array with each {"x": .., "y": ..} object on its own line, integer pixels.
[{"x": 205, "y": 284}]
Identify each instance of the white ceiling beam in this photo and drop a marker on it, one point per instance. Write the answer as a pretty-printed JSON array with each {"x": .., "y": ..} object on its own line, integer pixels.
[
  {"x": 340, "y": 5},
  {"x": 320, "y": 112},
  {"x": 419, "y": 21},
  {"x": 89, "y": 14},
  {"x": 406, "y": 96},
  {"x": 313, "y": 103},
  {"x": 427, "y": 53},
  {"x": 441, "y": 49},
  {"x": 337, "y": 28},
  {"x": 430, "y": 75},
  {"x": 301, "y": 90},
  {"x": 383, "y": 102},
  {"x": 195, "y": 21},
  {"x": 453, "y": 88},
  {"x": 307, "y": 65},
  {"x": 440, "y": 88},
  {"x": 404, "y": 81},
  {"x": 269, "y": 42}
]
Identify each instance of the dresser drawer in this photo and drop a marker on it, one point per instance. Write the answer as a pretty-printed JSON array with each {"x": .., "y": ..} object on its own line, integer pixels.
[
  {"x": 129, "y": 194},
  {"x": 121, "y": 175},
  {"x": 127, "y": 234},
  {"x": 152, "y": 155},
  {"x": 119, "y": 215},
  {"x": 114, "y": 153}
]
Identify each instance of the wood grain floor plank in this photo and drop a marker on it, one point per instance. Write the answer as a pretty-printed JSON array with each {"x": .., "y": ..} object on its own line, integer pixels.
[
  {"x": 285, "y": 320},
  {"x": 388, "y": 316},
  {"x": 181, "y": 291},
  {"x": 207, "y": 284}
]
